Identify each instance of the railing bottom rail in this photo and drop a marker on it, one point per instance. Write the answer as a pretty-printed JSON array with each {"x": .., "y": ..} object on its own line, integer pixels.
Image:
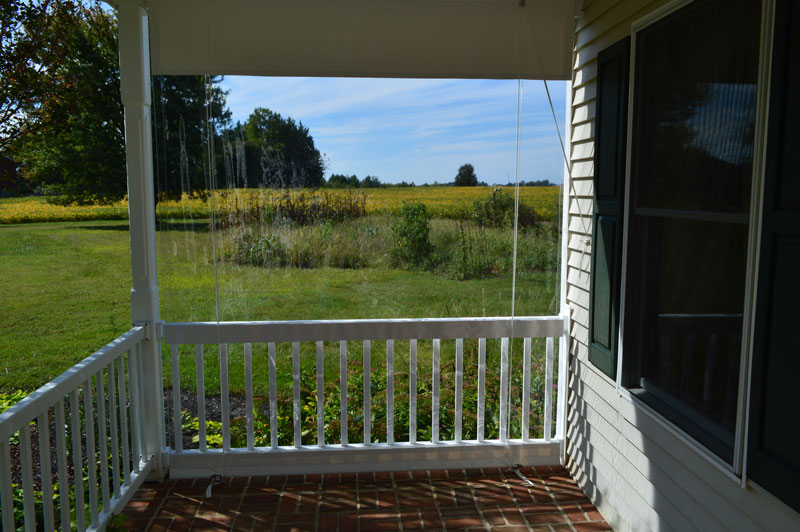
[{"x": 360, "y": 458}]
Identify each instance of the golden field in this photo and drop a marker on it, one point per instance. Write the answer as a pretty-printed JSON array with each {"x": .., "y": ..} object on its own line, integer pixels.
[{"x": 443, "y": 202}]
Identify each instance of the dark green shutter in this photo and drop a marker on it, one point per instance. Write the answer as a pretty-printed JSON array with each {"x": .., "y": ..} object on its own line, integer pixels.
[
  {"x": 774, "y": 437},
  {"x": 609, "y": 187}
]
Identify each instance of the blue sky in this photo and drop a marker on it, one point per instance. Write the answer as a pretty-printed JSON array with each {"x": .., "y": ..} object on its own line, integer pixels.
[{"x": 417, "y": 130}]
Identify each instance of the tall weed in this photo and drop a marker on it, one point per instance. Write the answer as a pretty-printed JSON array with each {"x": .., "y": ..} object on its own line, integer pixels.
[{"x": 412, "y": 235}]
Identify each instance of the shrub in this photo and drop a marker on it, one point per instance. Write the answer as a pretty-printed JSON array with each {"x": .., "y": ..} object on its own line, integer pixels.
[
  {"x": 412, "y": 235},
  {"x": 262, "y": 250},
  {"x": 498, "y": 211}
]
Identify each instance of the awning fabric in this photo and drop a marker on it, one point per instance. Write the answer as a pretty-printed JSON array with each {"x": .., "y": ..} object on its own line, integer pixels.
[{"x": 504, "y": 39}]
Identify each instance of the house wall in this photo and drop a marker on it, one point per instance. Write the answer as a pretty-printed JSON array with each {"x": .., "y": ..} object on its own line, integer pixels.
[{"x": 641, "y": 474}]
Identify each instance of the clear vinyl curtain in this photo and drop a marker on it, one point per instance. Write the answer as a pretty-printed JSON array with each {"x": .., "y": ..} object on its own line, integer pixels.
[
  {"x": 242, "y": 238},
  {"x": 247, "y": 231}
]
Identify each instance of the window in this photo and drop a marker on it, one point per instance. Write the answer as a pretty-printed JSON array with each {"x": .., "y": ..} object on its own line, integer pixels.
[
  {"x": 693, "y": 125},
  {"x": 691, "y": 250}
]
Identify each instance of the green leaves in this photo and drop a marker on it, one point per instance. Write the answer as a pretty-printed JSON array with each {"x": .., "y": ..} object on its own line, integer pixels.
[
  {"x": 76, "y": 150},
  {"x": 283, "y": 150},
  {"x": 412, "y": 235},
  {"x": 466, "y": 176}
]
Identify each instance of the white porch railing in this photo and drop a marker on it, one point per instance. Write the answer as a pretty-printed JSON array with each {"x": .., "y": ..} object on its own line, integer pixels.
[
  {"x": 92, "y": 433},
  {"x": 345, "y": 456},
  {"x": 92, "y": 414}
]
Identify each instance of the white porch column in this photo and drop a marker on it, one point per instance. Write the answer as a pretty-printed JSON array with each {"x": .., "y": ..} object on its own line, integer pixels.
[{"x": 134, "y": 63}]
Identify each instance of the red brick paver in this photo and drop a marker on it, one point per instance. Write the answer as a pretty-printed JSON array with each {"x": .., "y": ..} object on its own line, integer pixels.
[{"x": 464, "y": 500}]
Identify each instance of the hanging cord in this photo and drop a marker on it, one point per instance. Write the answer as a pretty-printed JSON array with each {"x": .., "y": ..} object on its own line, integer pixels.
[
  {"x": 516, "y": 202},
  {"x": 515, "y": 469},
  {"x": 587, "y": 240},
  {"x": 213, "y": 187},
  {"x": 514, "y": 253},
  {"x": 520, "y": 51}
]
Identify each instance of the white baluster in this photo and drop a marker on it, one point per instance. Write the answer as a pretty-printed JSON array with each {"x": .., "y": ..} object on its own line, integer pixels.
[
  {"x": 123, "y": 421},
  {"x": 177, "y": 436},
  {"x": 27, "y": 478},
  {"x": 91, "y": 450},
  {"x": 273, "y": 398},
  {"x": 343, "y": 390},
  {"x": 248, "y": 391},
  {"x": 6, "y": 500},
  {"x": 548, "y": 390},
  {"x": 412, "y": 391},
  {"x": 503, "y": 389},
  {"x": 459, "y": 386},
  {"x": 435, "y": 401},
  {"x": 367, "y": 394},
  {"x": 390, "y": 391},
  {"x": 45, "y": 475},
  {"x": 112, "y": 408},
  {"x": 102, "y": 444},
  {"x": 61, "y": 456},
  {"x": 526, "y": 388},
  {"x": 481, "y": 388},
  {"x": 296, "y": 394},
  {"x": 320, "y": 394},
  {"x": 77, "y": 458},
  {"x": 201, "y": 395}
]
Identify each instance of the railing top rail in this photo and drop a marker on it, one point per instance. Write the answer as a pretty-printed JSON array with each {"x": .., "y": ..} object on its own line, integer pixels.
[
  {"x": 46, "y": 396},
  {"x": 387, "y": 329}
]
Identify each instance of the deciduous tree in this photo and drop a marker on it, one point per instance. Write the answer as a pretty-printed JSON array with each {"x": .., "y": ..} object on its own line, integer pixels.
[
  {"x": 189, "y": 116},
  {"x": 32, "y": 33},
  {"x": 75, "y": 148},
  {"x": 466, "y": 176},
  {"x": 281, "y": 152}
]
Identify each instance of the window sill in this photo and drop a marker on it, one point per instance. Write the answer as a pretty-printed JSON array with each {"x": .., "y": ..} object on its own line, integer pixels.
[{"x": 680, "y": 436}]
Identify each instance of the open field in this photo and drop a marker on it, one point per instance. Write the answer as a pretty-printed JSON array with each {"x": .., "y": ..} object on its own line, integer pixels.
[
  {"x": 67, "y": 285},
  {"x": 66, "y": 293},
  {"x": 442, "y": 202}
]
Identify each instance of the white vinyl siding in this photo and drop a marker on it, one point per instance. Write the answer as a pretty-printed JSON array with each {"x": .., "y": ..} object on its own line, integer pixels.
[{"x": 640, "y": 474}]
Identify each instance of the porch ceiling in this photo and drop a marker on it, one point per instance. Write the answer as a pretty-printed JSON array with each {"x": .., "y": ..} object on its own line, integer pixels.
[{"x": 530, "y": 39}]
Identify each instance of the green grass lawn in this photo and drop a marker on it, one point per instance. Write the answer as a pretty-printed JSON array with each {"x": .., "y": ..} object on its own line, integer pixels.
[{"x": 66, "y": 293}]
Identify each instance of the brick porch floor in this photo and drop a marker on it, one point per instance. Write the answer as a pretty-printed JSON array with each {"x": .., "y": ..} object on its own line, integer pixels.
[{"x": 473, "y": 499}]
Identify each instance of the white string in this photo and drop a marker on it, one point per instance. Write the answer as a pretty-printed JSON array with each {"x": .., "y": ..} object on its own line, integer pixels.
[
  {"x": 516, "y": 201},
  {"x": 516, "y": 470},
  {"x": 514, "y": 253},
  {"x": 212, "y": 186},
  {"x": 581, "y": 215}
]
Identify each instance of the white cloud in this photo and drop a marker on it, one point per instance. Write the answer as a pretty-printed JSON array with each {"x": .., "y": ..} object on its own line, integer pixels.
[{"x": 419, "y": 130}]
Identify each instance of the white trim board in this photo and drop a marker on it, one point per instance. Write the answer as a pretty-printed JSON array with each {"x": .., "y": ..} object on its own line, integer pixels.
[{"x": 356, "y": 458}]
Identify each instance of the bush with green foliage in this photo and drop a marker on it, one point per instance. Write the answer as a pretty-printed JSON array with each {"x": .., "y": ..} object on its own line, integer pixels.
[
  {"x": 412, "y": 235},
  {"x": 259, "y": 250},
  {"x": 349, "y": 246}
]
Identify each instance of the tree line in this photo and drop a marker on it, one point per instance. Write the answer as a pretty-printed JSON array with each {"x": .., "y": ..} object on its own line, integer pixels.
[{"x": 62, "y": 121}]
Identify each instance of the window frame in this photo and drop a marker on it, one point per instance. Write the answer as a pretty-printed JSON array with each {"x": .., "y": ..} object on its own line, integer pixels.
[{"x": 736, "y": 470}]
